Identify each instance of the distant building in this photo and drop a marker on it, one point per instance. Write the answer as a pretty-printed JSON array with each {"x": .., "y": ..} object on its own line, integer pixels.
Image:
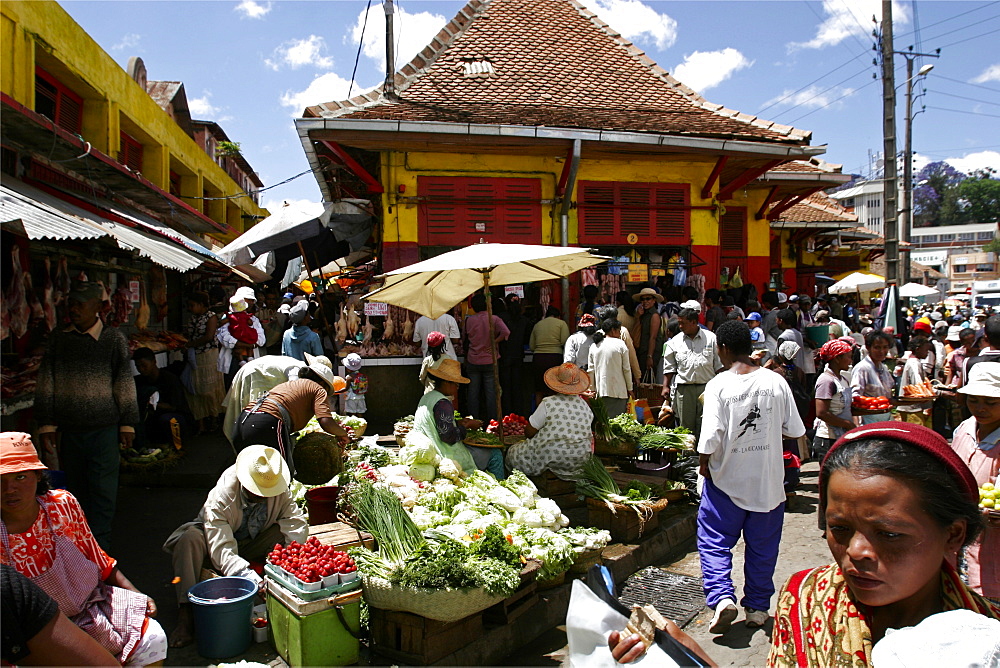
[{"x": 866, "y": 201}]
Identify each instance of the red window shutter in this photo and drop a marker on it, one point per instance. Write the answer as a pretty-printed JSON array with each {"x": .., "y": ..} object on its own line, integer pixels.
[
  {"x": 70, "y": 113},
  {"x": 54, "y": 100},
  {"x": 656, "y": 212},
  {"x": 733, "y": 232},
  {"x": 130, "y": 152},
  {"x": 175, "y": 183},
  {"x": 458, "y": 211}
]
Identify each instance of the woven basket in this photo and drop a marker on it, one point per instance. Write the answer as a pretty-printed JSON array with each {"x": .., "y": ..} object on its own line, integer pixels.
[
  {"x": 655, "y": 506},
  {"x": 551, "y": 583},
  {"x": 585, "y": 560},
  {"x": 443, "y": 605},
  {"x": 617, "y": 447}
]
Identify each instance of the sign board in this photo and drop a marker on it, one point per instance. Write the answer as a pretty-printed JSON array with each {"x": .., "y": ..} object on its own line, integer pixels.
[
  {"x": 657, "y": 272},
  {"x": 376, "y": 308},
  {"x": 133, "y": 288},
  {"x": 632, "y": 239},
  {"x": 960, "y": 259},
  {"x": 638, "y": 273},
  {"x": 514, "y": 290}
]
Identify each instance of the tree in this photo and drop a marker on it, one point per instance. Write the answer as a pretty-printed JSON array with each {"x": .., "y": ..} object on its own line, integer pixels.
[
  {"x": 935, "y": 199},
  {"x": 979, "y": 197}
]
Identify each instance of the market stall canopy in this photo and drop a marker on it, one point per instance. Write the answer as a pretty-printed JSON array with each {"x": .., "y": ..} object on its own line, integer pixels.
[
  {"x": 857, "y": 282},
  {"x": 917, "y": 290},
  {"x": 434, "y": 286}
]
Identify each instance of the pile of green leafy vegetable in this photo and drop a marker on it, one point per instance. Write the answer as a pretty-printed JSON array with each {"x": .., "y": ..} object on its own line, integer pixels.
[
  {"x": 595, "y": 481},
  {"x": 451, "y": 564},
  {"x": 660, "y": 438},
  {"x": 480, "y": 436}
]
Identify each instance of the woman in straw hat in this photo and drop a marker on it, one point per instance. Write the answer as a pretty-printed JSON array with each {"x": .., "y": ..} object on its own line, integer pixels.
[
  {"x": 977, "y": 442},
  {"x": 559, "y": 429},
  {"x": 46, "y": 538},
  {"x": 434, "y": 420},
  {"x": 648, "y": 333},
  {"x": 287, "y": 408}
]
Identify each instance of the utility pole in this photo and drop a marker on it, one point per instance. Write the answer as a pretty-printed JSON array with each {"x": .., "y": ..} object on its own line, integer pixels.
[
  {"x": 906, "y": 210},
  {"x": 889, "y": 148},
  {"x": 390, "y": 51}
]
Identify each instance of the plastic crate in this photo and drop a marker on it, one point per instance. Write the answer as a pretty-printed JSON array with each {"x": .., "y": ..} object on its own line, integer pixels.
[{"x": 315, "y": 633}]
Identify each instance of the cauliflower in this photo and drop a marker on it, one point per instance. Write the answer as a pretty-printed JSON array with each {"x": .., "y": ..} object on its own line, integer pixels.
[
  {"x": 423, "y": 472},
  {"x": 419, "y": 453},
  {"x": 504, "y": 498}
]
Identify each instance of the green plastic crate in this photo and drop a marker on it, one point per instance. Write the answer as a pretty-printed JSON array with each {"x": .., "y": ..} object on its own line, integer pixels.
[{"x": 310, "y": 633}]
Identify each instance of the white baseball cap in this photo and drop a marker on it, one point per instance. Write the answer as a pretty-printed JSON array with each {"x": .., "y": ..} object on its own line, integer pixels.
[{"x": 984, "y": 380}]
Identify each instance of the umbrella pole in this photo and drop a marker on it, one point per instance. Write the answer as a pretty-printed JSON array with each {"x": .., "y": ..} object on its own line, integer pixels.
[
  {"x": 493, "y": 354},
  {"x": 319, "y": 302}
]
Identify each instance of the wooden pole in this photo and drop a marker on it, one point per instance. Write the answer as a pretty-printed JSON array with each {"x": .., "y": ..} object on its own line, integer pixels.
[
  {"x": 493, "y": 354},
  {"x": 319, "y": 302}
]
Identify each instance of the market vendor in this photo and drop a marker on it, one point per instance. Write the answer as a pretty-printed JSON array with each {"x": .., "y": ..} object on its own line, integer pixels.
[
  {"x": 559, "y": 429},
  {"x": 247, "y": 512},
  {"x": 161, "y": 398},
  {"x": 46, "y": 538},
  {"x": 435, "y": 418},
  {"x": 288, "y": 407}
]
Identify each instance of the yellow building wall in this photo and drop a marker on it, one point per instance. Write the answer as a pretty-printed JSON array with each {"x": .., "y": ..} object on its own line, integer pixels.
[{"x": 72, "y": 56}]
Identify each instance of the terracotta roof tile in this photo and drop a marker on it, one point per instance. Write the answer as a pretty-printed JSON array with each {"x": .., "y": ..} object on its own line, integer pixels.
[
  {"x": 817, "y": 208},
  {"x": 593, "y": 78}
]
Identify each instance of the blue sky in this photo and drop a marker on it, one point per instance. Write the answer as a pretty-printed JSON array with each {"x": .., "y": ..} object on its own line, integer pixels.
[{"x": 253, "y": 65}]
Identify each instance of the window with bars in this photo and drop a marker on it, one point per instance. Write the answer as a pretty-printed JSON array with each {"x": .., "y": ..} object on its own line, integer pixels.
[
  {"x": 657, "y": 213},
  {"x": 130, "y": 152},
  {"x": 57, "y": 102},
  {"x": 458, "y": 211}
]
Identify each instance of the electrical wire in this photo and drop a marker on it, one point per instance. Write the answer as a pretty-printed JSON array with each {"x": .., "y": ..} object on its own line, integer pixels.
[
  {"x": 798, "y": 90},
  {"x": 819, "y": 93},
  {"x": 852, "y": 92},
  {"x": 361, "y": 41},
  {"x": 992, "y": 90},
  {"x": 274, "y": 185},
  {"x": 966, "y": 27},
  {"x": 969, "y": 39},
  {"x": 950, "y": 18},
  {"x": 963, "y": 111},
  {"x": 970, "y": 99}
]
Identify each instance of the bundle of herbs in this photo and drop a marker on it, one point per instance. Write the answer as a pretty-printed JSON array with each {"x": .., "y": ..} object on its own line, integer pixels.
[
  {"x": 380, "y": 513},
  {"x": 660, "y": 438},
  {"x": 601, "y": 425},
  {"x": 451, "y": 564},
  {"x": 595, "y": 481}
]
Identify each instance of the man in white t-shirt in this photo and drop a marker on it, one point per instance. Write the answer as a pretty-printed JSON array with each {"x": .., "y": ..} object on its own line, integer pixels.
[
  {"x": 446, "y": 325},
  {"x": 748, "y": 410}
]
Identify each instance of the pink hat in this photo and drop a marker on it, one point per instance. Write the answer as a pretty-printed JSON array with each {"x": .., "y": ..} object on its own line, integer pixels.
[
  {"x": 17, "y": 453},
  {"x": 435, "y": 338}
]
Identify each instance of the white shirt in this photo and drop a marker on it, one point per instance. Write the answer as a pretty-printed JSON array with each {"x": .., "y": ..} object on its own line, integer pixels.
[
  {"x": 746, "y": 416},
  {"x": 804, "y": 360},
  {"x": 694, "y": 359},
  {"x": 577, "y": 349},
  {"x": 445, "y": 324},
  {"x": 608, "y": 365}
]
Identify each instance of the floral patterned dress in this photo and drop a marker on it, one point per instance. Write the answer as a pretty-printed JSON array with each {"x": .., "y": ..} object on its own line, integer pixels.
[
  {"x": 206, "y": 380},
  {"x": 563, "y": 442}
]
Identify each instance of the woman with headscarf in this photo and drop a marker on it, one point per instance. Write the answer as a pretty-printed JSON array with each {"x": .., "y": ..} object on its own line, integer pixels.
[
  {"x": 833, "y": 397},
  {"x": 434, "y": 420},
  {"x": 578, "y": 344},
  {"x": 435, "y": 353},
  {"x": 46, "y": 538},
  {"x": 871, "y": 377}
]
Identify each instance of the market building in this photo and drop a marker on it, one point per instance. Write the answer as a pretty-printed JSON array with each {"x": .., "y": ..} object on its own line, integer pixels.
[{"x": 103, "y": 175}]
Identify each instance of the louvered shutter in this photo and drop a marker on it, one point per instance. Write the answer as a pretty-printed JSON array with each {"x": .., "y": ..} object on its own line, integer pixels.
[
  {"x": 57, "y": 102},
  {"x": 130, "y": 152},
  {"x": 733, "y": 232},
  {"x": 610, "y": 210},
  {"x": 458, "y": 211}
]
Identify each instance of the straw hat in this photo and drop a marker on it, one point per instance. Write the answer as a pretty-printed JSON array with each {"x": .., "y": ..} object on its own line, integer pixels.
[
  {"x": 984, "y": 380},
  {"x": 262, "y": 471},
  {"x": 322, "y": 366},
  {"x": 648, "y": 292},
  {"x": 567, "y": 378},
  {"x": 17, "y": 454},
  {"x": 449, "y": 369}
]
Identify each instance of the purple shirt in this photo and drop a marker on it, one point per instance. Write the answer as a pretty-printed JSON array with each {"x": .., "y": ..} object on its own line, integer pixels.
[{"x": 477, "y": 330}]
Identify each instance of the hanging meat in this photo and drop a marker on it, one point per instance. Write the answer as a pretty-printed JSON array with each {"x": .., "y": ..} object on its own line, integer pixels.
[
  {"x": 353, "y": 322},
  {"x": 48, "y": 298},
  {"x": 158, "y": 291},
  {"x": 34, "y": 305},
  {"x": 15, "y": 298},
  {"x": 390, "y": 326},
  {"x": 342, "y": 326},
  {"x": 142, "y": 315},
  {"x": 121, "y": 306},
  {"x": 407, "y": 328},
  {"x": 4, "y": 321},
  {"x": 61, "y": 294},
  {"x": 367, "y": 329}
]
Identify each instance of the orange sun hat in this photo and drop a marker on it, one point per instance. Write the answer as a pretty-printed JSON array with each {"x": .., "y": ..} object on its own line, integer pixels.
[{"x": 18, "y": 454}]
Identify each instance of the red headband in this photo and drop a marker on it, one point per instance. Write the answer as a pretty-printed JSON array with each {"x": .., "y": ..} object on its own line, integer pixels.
[
  {"x": 832, "y": 349},
  {"x": 919, "y": 437}
]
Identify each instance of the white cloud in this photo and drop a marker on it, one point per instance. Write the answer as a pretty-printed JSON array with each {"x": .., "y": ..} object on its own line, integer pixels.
[
  {"x": 638, "y": 21},
  {"x": 413, "y": 33},
  {"x": 250, "y": 9},
  {"x": 129, "y": 41},
  {"x": 814, "y": 96},
  {"x": 702, "y": 70},
  {"x": 991, "y": 73},
  {"x": 274, "y": 204},
  {"x": 298, "y": 52},
  {"x": 202, "y": 108},
  {"x": 844, "y": 18},
  {"x": 327, "y": 87},
  {"x": 970, "y": 162}
]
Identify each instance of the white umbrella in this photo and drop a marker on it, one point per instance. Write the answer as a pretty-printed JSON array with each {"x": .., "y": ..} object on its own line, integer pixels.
[
  {"x": 917, "y": 290},
  {"x": 434, "y": 286},
  {"x": 293, "y": 222},
  {"x": 857, "y": 282}
]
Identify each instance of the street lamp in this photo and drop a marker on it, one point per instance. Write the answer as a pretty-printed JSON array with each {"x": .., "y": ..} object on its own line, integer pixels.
[{"x": 905, "y": 210}]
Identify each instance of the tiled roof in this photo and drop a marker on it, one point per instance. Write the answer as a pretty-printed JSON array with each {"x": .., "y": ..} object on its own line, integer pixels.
[
  {"x": 813, "y": 165},
  {"x": 163, "y": 92},
  {"x": 817, "y": 208},
  {"x": 552, "y": 63}
]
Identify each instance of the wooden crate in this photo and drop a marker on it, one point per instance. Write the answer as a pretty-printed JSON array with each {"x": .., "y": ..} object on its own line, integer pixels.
[
  {"x": 341, "y": 536},
  {"x": 624, "y": 525},
  {"x": 417, "y": 640},
  {"x": 568, "y": 501},
  {"x": 512, "y": 607},
  {"x": 550, "y": 485}
]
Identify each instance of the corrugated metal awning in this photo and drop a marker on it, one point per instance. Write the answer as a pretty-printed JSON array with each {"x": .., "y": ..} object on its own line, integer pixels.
[{"x": 44, "y": 216}]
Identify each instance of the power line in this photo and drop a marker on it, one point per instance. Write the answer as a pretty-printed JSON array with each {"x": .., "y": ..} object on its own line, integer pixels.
[
  {"x": 361, "y": 42},
  {"x": 945, "y": 151},
  {"x": 852, "y": 92},
  {"x": 966, "y": 27},
  {"x": 785, "y": 97},
  {"x": 950, "y": 18},
  {"x": 992, "y": 90},
  {"x": 969, "y": 39},
  {"x": 850, "y": 32},
  {"x": 962, "y": 111},
  {"x": 819, "y": 93},
  {"x": 962, "y": 97}
]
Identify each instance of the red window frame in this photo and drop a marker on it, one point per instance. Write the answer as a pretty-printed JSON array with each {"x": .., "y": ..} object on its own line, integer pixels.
[
  {"x": 130, "y": 152},
  {"x": 67, "y": 104},
  {"x": 733, "y": 239},
  {"x": 458, "y": 211},
  {"x": 658, "y": 213}
]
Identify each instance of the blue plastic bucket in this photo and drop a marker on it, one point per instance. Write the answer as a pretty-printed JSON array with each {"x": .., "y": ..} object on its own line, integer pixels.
[{"x": 222, "y": 608}]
